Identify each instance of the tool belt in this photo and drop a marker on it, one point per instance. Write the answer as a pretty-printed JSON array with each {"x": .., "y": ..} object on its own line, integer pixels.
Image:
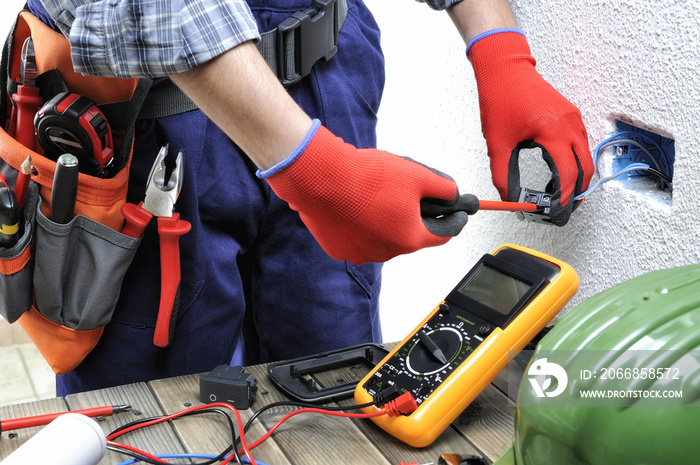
[{"x": 61, "y": 282}]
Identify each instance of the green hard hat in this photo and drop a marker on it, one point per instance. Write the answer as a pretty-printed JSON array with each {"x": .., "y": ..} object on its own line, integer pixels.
[{"x": 656, "y": 318}]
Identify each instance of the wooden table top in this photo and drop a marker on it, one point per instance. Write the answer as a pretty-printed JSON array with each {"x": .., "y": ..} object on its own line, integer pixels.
[{"x": 484, "y": 429}]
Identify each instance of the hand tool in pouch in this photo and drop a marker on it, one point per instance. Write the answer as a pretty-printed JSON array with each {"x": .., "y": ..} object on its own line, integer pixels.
[
  {"x": 65, "y": 188},
  {"x": 27, "y": 99},
  {"x": 161, "y": 194},
  {"x": 22, "y": 185},
  {"x": 9, "y": 216},
  {"x": 72, "y": 123}
]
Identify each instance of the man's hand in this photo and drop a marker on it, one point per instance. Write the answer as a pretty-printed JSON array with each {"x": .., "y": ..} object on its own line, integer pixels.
[
  {"x": 519, "y": 109},
  {"x": 363, "y": 205}
]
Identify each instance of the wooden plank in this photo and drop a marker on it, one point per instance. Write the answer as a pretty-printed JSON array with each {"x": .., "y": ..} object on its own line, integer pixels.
[
  {"x": 209, "y": 434},
  {"x": 158, "y": 439},
  {"x": 11, "y": 440},
  {"x": 488, "y": 423}
]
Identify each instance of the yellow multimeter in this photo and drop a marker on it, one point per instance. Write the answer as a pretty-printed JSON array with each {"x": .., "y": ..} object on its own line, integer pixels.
[{"x": 463, "y": 344}]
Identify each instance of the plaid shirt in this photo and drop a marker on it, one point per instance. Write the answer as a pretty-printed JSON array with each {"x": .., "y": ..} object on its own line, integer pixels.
[
  {"x": 150, "y": 38},
  {"x": 154, "y": 38}
]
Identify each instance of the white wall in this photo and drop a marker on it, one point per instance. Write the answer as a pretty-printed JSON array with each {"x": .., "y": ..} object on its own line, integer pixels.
[{"x": 612, "y": 58}]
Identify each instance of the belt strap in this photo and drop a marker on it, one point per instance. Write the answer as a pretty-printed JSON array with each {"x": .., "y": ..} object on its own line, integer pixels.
[
  {"x": 301, "y": 40},
  {"x": 290, "y": 50}
]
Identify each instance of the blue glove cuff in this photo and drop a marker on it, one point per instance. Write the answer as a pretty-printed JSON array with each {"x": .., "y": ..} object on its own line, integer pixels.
[
  {"x": 295, "y": 154},
  {"x": 491, "y": 32}
]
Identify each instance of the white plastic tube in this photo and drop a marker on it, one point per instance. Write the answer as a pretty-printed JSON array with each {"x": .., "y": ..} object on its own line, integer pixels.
[{"x": 71, "y": 439}]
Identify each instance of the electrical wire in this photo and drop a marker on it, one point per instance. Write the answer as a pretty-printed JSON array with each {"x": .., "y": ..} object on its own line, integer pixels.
[
  {"x": 614, "y": 140},
  {"x": 279, "y": 423},
  {"x": 133, "y": 452},
  {"x": 184, "y": 456},
  {"x": 144, "y": 423},
  {"x": 142, "y": 456},
  {"x": 302, "y": 405},
  {"x": 216, "y": 459}
]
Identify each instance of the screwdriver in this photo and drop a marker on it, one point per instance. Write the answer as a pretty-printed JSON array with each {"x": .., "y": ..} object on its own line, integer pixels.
[
  {"x": 470, "y": 204},
  {"x": 65, "y": 188},
  {"x": 40, "y": 420},
  {"x": 9, "y": 216}
]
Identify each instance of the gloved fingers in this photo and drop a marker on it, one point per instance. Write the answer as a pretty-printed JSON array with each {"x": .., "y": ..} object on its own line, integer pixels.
[
  {"x": 505, "y": 172},
  {"x": 437, "y": 185},
  {"x": 567, "y": 181},
  {"x": 446, "y": 226}
]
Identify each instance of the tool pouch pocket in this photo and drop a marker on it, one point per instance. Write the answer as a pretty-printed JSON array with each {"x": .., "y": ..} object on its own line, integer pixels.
[
  {"x": 61, "y": 282},
  {"x": 17, "y": 265},
  {"x": 78, "y": 272}
]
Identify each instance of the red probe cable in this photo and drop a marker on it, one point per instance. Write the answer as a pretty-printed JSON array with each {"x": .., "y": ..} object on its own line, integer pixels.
[
  {"x": 403, "y": 404},
  {"x": 246, "y": 449},
  {"x": 40, "y": 420}
]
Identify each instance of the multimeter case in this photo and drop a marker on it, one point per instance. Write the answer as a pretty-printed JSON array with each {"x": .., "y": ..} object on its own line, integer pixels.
[{"x": 443, "y": 391}]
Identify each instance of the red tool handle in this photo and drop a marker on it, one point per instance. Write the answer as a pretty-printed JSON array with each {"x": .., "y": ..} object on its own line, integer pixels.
[
  {"x": 507, "y": 206},
  {"x": 137, "y": 219},
  {"x": 28, "y": 101},
  {"x": 169, "y": 230}
]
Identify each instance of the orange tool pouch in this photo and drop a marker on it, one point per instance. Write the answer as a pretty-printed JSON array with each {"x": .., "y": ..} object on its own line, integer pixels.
[{"x": 61, "y": 282}]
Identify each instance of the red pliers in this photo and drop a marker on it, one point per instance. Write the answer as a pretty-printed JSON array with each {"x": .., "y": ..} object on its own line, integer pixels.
[{"x": 161, "y": 195}]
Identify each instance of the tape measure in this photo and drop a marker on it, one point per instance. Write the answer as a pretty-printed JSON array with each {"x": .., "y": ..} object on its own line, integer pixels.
[
  {"x": 463, "y": 344},
  {"x": 72, "y": 123}
]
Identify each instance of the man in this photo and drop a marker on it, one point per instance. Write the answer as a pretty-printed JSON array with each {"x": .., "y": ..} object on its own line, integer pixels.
[{"x": 290, "y": 218}]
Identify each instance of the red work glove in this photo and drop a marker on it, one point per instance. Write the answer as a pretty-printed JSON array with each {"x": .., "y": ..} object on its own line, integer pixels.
[
  {"x": 519, "y": 109},
  {"x": 363, "y": 205}
]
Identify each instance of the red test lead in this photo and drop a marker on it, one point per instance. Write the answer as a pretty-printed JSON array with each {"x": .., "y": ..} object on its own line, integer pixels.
[{"x": 41, "y": 420}]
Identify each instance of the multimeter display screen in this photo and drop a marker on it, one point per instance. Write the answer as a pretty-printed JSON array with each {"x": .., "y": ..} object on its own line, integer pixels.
[{"x": 495, "y": 289}]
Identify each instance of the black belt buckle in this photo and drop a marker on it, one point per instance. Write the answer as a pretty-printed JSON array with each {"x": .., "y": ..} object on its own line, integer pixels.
[{"x": 309, "y": 33}]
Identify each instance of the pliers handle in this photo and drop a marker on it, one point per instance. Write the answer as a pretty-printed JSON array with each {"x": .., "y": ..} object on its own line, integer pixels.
[
  {"x": 170, "y": 228},
  {"x": 161, "y": 195}
]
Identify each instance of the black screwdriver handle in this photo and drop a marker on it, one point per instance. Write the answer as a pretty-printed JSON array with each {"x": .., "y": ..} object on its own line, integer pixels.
[
  {"x": 65, "y": 188},
  {"x": 433, "y": 208}
]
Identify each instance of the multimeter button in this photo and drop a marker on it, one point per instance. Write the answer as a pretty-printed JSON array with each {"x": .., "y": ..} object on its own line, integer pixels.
[
  {"x": 444, "y": 308},
  {"x": 485, "y": 329}
]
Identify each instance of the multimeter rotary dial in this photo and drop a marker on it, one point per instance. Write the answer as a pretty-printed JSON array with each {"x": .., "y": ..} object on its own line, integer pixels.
[
  {"x": 431, "y": 354},
  {"x": 432, "y": 351}
]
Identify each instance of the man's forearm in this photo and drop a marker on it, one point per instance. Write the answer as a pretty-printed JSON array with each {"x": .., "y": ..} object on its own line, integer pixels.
[
  {"x": 239, "y": 92},
  {"x": 472, "y": 17}
]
